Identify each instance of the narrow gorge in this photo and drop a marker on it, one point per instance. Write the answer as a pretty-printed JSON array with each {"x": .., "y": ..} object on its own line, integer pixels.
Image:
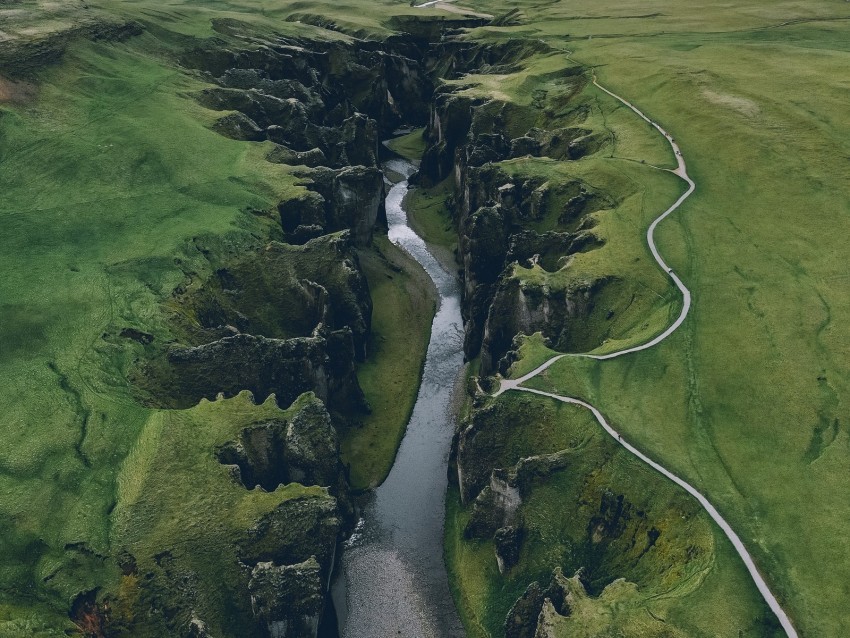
[{"x": 320, "y": 454}]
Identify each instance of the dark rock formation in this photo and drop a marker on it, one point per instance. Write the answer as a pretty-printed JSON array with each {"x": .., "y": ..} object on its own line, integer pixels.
[
  {"x": 334, "y": 98},
  {"x": 498, "y": 215},
  {"x": 238, "y": 126},
  {"x": 289, "y": 598},
  {"x": 281, "y": 291},
  {"x": 286, "y": 367},
  {"x": 522, "y": 619},
  {"x": 295, "y": 531},
  {"x": 289, "y": 558},
  {"x": 348, "y": 198},
  {"x": 285, "y": 155},
  {"x": 520, "y": 307},
  {"x": 257, "y": 456},
  {"x": 311, "y": 452},
  {"x": 508, "y": 542},
  {"x": 304, "y": 450}
]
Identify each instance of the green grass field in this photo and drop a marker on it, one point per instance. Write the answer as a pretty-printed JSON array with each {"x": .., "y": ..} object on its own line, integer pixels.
[
  {"x": 103, "y": 189},
  {"x": 113, "y": 188},
  {"x": 748, "y": 399}
]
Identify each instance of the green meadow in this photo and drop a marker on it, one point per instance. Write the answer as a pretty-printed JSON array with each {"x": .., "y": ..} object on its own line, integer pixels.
[
  {"x": 114, "y": 189},
  {"x": 104, "y": 189},
  {"x": 748, "y": 399}
]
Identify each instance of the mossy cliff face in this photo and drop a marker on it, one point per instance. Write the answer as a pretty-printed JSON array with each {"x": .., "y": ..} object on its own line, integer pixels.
[
  {"x": 287, "y": 317},
  {"x": 553, "y": 529},
  {"x": 282, "y": 320},
  {"x": 504, "y": 218},
  {"x": 538, "y": 492},
  {"x": 330, "y": 102},
  {"x": 254, "y": 548}
]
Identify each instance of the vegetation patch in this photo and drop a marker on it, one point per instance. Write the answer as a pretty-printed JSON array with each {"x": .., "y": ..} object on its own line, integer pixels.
[{"x": 581, "y": 505}]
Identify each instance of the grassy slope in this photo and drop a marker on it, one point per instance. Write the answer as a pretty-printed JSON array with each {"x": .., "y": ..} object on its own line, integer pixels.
[
  {"x": 747, "y": 400},
  {"x": 106, "y": 177},
  {"x": 411, "y": 145},
  {"x": 172, "y": 486},
  {"x": 102, "y": 186},
  {"x": 403, "y": 298},
  {"x": 703, "y": 594},
  {"x": 429, "y": 217}
]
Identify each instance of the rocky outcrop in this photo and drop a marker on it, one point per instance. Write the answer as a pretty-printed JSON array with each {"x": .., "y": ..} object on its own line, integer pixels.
[
  {"x": 322, "y": 106},
  {"x": 521, "y": 307},
  {"x": 498, "y": 216},
  {"x": 348, "y": 198},
  {"x": 287, "y": 368},
  {"x": 303, "y": 450},
  {"x": 295, "y": 531},
  {"x": 289, "y": 557},
  {"x": 289, "y": 598},
  {"x": 524, "y": 617},
  {"x": 238, "y": 126},
  {"x": 451, "y": 119},
  {"x": 337, "y": 98},
  {"x": 494, "y": 212},
  {"x": 280, "y": 291},
  {"x": 256, "y": 457}
]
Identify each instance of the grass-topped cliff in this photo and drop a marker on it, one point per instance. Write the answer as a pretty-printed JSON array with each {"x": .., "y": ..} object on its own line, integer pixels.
[{"x": 745, "y": 401}]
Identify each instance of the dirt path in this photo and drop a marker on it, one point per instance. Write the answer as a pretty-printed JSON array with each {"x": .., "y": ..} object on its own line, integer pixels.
[{"x": 516, "y": 384}]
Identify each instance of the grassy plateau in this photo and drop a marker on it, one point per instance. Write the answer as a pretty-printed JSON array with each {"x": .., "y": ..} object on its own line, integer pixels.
[{"x": 748, "y": 400}]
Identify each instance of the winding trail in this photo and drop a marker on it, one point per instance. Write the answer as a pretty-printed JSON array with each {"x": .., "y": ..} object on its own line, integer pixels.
[{"x": 516, "y": 384}]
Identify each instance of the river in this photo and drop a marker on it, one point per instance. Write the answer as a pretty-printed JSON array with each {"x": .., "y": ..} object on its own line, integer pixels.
[{"x": 392, "y": 578}]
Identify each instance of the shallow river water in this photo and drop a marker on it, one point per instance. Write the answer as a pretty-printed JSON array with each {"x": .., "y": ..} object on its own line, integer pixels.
[{"x": 392, "y": 579}]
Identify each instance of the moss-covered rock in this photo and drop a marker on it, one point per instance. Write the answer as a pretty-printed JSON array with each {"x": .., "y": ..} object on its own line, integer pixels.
[
  {"x": 289, "y": 598},
  {"x": 350, "y": 198},
  {"x": 279, "y": 291},
  {"x": 520, "y": 307},
  {"x": 284, "y": 367}
]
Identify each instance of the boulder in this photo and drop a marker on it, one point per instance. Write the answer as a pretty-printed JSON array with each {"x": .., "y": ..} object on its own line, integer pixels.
[
  {"x": 238, "y": 126},
  {"x": 289, "y": 598}
]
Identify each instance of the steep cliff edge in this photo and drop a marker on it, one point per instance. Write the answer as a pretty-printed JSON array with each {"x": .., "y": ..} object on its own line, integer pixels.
[{"x": 506, "y": 216}]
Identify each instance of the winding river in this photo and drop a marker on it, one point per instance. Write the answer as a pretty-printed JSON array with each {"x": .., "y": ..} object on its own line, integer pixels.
[{"x": 392, "y": 579}]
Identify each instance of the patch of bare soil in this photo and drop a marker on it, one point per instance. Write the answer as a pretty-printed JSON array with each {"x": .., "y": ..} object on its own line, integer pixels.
[{"x": 12, "y": 92}]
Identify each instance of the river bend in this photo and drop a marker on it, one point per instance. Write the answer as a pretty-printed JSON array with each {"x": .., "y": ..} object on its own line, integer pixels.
[{"x": 392, "y": 578}]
